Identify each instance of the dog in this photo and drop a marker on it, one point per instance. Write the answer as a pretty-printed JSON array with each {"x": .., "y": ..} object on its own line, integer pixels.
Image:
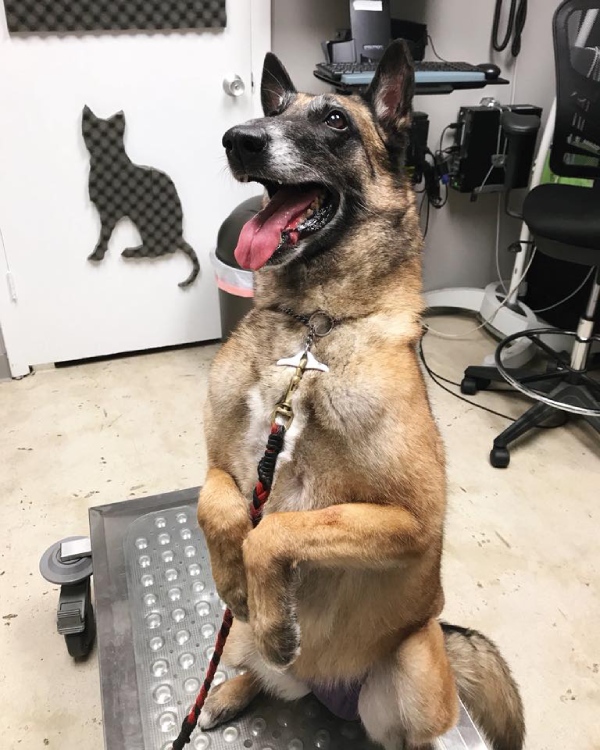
[
  {"x": 338, "y": 590},
  {"x": 119, "y": 188}
]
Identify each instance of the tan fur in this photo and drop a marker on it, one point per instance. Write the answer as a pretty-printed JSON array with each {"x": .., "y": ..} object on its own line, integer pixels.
[
  {"x": 487, "y": 688},
  {"x": 341, "y": 580},
  {"x": 229, "y": 698}
]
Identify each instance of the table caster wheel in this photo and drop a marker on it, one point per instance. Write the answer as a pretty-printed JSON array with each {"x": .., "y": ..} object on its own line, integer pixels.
[
  {"x": 499, "y": 457},
  {"x": 471, "y": 386},
  {"x": 79, "y": 645},
  {"x": 68, "y": 563}
]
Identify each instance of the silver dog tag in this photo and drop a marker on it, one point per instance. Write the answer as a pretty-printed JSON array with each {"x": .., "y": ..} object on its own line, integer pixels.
[{"x": 311, "y": 364}]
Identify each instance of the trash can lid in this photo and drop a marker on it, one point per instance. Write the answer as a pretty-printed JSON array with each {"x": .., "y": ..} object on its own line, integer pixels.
[{"x": 229, "y": 232}]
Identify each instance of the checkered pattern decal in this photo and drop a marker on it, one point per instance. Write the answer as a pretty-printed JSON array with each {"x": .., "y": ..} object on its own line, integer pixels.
[
  {"x": 113, "y": 15},
  {"x": 119, "y": 188}
]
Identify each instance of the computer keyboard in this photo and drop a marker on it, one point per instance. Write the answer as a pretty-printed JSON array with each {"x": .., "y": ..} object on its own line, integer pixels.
[{"x": 425, "y": 72}]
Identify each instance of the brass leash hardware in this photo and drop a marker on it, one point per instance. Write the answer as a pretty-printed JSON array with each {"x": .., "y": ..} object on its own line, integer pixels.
[{"x": 283, "y": 413}]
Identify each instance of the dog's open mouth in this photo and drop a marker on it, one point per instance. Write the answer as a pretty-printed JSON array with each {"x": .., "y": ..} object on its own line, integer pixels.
[{"x": 292, "y": 213}]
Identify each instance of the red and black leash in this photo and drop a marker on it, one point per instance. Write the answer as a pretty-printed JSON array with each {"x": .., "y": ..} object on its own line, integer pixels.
[{"x": 262, "y": 490}]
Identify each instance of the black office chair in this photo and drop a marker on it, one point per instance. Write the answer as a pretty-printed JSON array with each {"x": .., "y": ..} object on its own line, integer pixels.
[{"x": 565, "y": 223}]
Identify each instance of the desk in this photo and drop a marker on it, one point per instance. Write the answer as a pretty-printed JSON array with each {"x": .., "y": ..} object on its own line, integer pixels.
[{"x": 420, "y": 88}]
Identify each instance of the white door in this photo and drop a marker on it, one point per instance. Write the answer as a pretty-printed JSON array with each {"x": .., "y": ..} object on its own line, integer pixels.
[{"x": 55, "y": 304}]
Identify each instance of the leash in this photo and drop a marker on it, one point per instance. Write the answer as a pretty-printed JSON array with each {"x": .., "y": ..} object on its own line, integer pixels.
[
  {"x": 260, "y": 495},
  {"x": 319, "y": 324}
]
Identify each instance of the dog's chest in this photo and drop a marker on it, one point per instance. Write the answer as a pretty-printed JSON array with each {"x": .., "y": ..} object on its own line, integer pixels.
[{"x": 261, "y": 400}]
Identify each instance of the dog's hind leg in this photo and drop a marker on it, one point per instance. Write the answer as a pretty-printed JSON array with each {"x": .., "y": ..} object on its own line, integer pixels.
[
  {"x": 410, "y": 699},
  {"x": 227, "y": 700}
]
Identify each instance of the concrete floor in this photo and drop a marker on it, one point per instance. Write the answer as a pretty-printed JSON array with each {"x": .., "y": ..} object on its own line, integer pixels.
[{"x": 522, "y": 555}]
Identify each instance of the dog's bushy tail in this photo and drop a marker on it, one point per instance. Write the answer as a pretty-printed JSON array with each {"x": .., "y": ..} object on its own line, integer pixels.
[
  {"x": 486, "y": 687},
  {"x": 191, "y": 253}
]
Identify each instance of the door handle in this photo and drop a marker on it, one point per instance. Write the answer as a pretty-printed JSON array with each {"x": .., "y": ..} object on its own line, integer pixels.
[{"x": 233, "y": 85}]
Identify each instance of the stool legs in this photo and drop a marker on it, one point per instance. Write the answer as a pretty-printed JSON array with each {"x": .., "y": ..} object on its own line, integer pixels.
[
  {"x": 575, "y": 394},
  {"x": 585, "y": 329}
]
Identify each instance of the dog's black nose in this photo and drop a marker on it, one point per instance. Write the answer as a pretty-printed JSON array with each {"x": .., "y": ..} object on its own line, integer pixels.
[{"x": 245, "y": 140}]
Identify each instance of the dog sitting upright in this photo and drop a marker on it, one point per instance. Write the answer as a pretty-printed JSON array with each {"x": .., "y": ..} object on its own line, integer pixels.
[{"x": 338, "y": 590}]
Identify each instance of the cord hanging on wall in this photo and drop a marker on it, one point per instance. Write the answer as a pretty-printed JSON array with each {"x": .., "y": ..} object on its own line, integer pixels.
[
  {"x": 121, "y": 189},
  {"x": 517, "y": 18},
  {"x": 105, "y": 15}
]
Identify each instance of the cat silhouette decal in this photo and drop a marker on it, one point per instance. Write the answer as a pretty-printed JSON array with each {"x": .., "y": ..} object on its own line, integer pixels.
[{"x": 119, "y": 189}]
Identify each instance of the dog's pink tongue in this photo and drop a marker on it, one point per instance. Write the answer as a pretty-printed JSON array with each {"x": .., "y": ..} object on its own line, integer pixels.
[{"x": 260, "y": 236}]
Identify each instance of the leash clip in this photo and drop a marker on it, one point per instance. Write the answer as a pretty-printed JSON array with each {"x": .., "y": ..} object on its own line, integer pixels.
[{"x": 283, "y": 413}]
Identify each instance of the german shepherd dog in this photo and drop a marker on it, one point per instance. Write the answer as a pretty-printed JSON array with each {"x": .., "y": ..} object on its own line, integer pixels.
[{"x": 338, "y": 590}]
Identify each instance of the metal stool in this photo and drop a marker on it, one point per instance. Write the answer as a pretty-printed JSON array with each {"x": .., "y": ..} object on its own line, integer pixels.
[{"x": 565, "y": 384}]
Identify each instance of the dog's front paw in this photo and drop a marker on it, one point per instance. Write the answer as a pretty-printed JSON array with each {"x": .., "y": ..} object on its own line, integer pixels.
[
  {"x": 230, "y": 580},
  {"x": 236, "y": 599},
  {"x": 279, "y": 643},
  {"x": 272, "y": 580}
]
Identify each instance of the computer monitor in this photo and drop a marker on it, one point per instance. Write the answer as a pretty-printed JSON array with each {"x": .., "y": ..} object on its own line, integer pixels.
[{"x": 370, "y": 28}]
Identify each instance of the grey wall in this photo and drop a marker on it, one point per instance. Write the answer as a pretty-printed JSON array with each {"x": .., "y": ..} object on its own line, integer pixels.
[
  {"x": 460, "y": 246},
  {"x": 298, "y": 27}
]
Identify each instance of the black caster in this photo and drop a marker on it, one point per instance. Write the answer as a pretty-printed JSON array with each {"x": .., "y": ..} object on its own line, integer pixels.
[
  {"x": 80, "y": 644},
  {"x": 499, "y": 457},
  {"x": 471, "y": 386},
  {"x": 69, "y": 564}
]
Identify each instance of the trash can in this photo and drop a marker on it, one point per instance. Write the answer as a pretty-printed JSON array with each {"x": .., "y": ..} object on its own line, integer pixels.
[{"x": 235, "y": 283}]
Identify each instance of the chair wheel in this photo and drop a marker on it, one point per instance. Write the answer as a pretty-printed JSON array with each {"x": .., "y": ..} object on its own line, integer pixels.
[
  {"x": 471, "y": 386},
  {"x": 79, "y": 645},
  {"x": 499, "y": 458}
]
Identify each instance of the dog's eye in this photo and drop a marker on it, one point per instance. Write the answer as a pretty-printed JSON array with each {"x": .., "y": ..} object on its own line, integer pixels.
[{"x": 336, "y": 120}]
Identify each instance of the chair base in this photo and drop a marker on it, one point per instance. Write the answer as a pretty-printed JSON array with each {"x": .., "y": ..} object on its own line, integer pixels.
[
  {"x": 559, "y": 368},
  {"x": 566, "y": 393},
  {"x": 576, "y": 393},
  {"x": 479, "y": 377}
]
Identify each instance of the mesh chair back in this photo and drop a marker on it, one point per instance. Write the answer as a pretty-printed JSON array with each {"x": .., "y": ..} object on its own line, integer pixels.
[{"x": 576, "y": 146}]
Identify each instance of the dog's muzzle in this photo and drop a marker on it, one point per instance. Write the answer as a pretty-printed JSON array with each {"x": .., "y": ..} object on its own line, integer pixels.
[{"x": 246, "y": 146}]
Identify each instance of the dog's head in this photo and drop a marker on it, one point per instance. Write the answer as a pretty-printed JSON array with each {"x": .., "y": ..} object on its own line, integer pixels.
[{"x": 324, "y": 160}]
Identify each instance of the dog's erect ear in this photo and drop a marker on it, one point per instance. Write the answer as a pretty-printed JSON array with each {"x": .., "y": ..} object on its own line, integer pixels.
[
  {"x": 392, "y": 88},
  {"x": 276, "y": 88}
]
